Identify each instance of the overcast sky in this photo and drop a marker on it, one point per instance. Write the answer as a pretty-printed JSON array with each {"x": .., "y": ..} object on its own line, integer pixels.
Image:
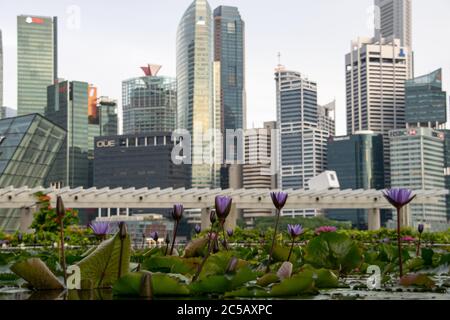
[{"x": 115, "y": 38}]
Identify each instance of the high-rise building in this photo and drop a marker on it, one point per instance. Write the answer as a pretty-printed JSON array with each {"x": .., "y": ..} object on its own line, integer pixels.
[
  {"x": 259, "y": 169},
  {"x": 92, "y": 105},
  {"x": 107, "y": 111},
  {"x": 376, "y": 72},
  {"x": 149, "y": 102},
  {"x": 28, "y": 146},
  {"x": 1, "y": 71},
  {"x": 426, "y": 103},
  {"x": 417, "y": 163},
  {"x": 195, "y": 105},
  {"x": 358, "y": 162},
  {"x": 447, "y": 169},
  {"x": 327, "y": 117},
  {"x": 37, "y": 61},
  {"x": 6, "y": 112},
  {"x": 393, "y": 20},
  {"x": 229, "y": 50},
  {"x": 68, "y": 107},
  {"x": 301, "y": 143}
]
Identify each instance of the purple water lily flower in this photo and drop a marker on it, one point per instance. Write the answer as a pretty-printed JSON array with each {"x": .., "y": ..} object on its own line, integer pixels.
[
  {"x": 325, "y": 229},
  {"x": 100, "y": 229},
  {"x": 154, "y": 236},
  {"x": 295, "y": 230},
  {"x": 223, "y": 207},
  {"x": 230, "y": 232},
  {"x": 197, "y": 229},
  {"x": 421, "y": 228},
  {"x": 177, "y": 212},
  {"x": 279, "y": 199},
  {"x": 398, "y": 197}
]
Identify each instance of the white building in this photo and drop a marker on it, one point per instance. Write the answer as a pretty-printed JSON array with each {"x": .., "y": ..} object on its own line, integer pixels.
[{"x": 376, "y": 71}]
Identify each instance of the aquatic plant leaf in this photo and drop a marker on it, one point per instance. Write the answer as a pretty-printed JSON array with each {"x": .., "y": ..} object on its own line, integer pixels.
[
  {"x": 37, "y": 274},
  {"x": 334, "y": 251},
  {"x": 427, "y": 256},
  {"x": 299, "y": 284},
  {"x": 419, "y": 280},
  {"x": 414, "y": 264},
  {"x": 165, "y": 285},
  {"x": 134, "y": 284},
  {"x": 196, "y": 248},
  {"x": 242, "y": 276},
  {"x": 171, "y": 264},
  {"x": 248, "y": 292},
  {"x": 101, "y": 267},
  {"x": 267, "y": 279},
  {"x": 211, "y": 284},
  {"x": 326, "y": 279}
]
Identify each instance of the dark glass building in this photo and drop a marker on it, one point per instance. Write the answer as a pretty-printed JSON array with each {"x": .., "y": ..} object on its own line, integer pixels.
[
  {"x": 68, "y": 107},
  {"x": 28, "y": 146},
  {"x": 37, "y": 62},
  {"x": 107, "y": 109},
  {"x": 426, "y": 103},
  {"x": 358, "y": 162},
  {"x": 229, "y": 42},
  {"x": 138, "y": 161}
]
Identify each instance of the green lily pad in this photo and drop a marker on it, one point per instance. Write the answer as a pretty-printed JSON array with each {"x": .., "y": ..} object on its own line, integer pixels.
[
  {"x": 419, "y": 280},
  {"x": 171, "y": 264},
  {"x": 267, "y": 279},
  {"x": 37, "y": 274},
  {"x": 196, "y": 248},
  {"x": 107, "y": 263},
  {"x": 299, "y": 284}
]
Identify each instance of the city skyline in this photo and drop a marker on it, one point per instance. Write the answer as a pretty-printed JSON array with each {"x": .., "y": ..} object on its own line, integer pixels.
[{"x": 311, "y": 57}]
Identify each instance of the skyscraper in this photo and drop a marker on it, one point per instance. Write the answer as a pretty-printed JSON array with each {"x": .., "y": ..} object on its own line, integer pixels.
[
  {"x": 1, "y": 71},
  {"x": 37, "y": 60},
  {"x": 302, "y": 143},
  {"x": 68, "y": 107},
  {"x": 195, "y": 90},
  {"x": 376, "y": 72},
  {"x": 426, "y": 103},
  {"x": 149, "y": 102},
  {"x": 358, "y": 162},
  {"x": 393, "y": 20},
  {"x": 260, "y": 160},
  {"x": 417, "y": 159},
  {"x": 327, "y": 117},
  {"x": 108, "y": 120},
  {"x": 229, "y": 50}
]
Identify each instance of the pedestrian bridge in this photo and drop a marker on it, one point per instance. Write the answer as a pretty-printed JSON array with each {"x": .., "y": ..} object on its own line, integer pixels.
[{"x": 106, "y": 198}]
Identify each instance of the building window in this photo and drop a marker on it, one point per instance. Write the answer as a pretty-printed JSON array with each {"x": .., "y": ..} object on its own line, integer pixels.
[
  {"x": 123, "y": 142},
  {"x": 231, "y": 27}
]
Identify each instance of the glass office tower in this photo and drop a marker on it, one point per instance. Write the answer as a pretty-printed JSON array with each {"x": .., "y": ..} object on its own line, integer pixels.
[
  {"x": 36, "y": 62},
  {"x": 1, "y": 71},
  {"x": 68, "y": 107},
  {"x": 358, "y": 162},
  {"x": 426, "y": 103},
  {"x": 108, "y": 121},
  {"x": 28, "y": 146},
  {"x": 149, "y": 103},
  {"x": 195, "y": 89}
]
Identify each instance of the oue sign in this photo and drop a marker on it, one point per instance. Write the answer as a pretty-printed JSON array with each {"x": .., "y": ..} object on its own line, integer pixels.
[{"x": 106, "y": 144}]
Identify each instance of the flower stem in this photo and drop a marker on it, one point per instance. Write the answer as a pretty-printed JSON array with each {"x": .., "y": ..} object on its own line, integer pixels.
[
  {"x": 399, "y": 242},
  {"x": 174, "y": 236},
  {"x": 224, "y": 236},
  {"x": 200, "y": 267},
  {"x": 292, "y": 248},
  {"x": 63, "y": 256},
  {"x": 273, "y": 241},
  {"x": 418, "y": 245}
]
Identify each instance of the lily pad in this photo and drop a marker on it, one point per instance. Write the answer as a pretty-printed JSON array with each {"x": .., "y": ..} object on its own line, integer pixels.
[
  {"x": 37, "y": 274},
  {"x": 419, "y": 280},
  {"x": 107, "y": 263},
  {"x": 196, "y": 248},
  {"x": 299, "y": 284},
  {"x": 267, "y": 279},
  {"x": 171, "y": 264}
]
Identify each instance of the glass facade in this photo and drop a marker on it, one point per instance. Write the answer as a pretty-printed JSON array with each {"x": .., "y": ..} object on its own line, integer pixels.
[
  {"x": 417, "y": 162},
  {"x": 28, "y": 146},
  {"x": 36, "y": 62},
  {"x": 229, "y": 35},
  {"x": 195, "y": 107},
  {"x": 149, "y": 104},
  {"x": 358, "y": 162},
  {"x": 425, "y": 100},
  {"x": 108, "y": 121},
  {"x": 68, "y": 107}
]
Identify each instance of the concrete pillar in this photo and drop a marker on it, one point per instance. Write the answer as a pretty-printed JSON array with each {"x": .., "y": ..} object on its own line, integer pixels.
[
  {"x": 99, "y": 212},
  {"x": 26, "y": 219},
  {"x": 374, "y": 219},
  {"x": 128, "y": 209},
  {"x": 109, "y": 212},
  {"x": 206, "y": 224},
  {"x": 406, "y": 219},
  {"x": 118, "y": 211},
  {"x": 231, "y": 221}
]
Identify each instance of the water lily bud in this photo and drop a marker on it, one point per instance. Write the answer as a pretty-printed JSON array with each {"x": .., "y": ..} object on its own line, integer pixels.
[
  {"x": 421, "y": 228},
  {"x": 230, "y": 232},
  {"x": 154, "y": 236},
  {"x": 232, "y": 265},
  {"x": 216, "y": 246},
  {"x": 60, "y": 210},
  {"x": 197, "y": 229},
  {"x": 123, "y": 230},
  {"x": 213, "y": 216},
  {"x": 167, "y": 239},
  {"x": 177, "y": 212}
]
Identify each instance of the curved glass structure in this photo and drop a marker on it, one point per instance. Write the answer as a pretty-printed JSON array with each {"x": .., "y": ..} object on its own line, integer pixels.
[{"x": 195, "y": 89}]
